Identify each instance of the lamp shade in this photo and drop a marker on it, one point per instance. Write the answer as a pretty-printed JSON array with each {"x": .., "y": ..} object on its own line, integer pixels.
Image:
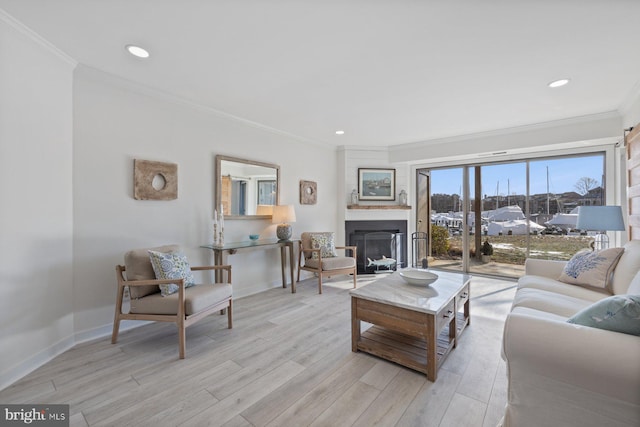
[
  {"x": 600, "y": 218},
  {"x": 283, "y": 214}
]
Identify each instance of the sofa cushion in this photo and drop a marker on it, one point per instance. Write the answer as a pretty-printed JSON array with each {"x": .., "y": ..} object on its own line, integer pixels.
[
  {"x": 138, "y": 267},
  {"x": 634, "y": 286},
  {"x": 552, "y": 285},
  {"x": 197, "y": 298},
  {"x": 550, "y": 302},
  {"x": 627, "y": 267},
  {"x": 592, "y": 268},
  {"x": 325, "y": 242},
  {"x": 618, "y": 313},
  {"x": 171, "y": 265},
  {"x": 333, "y": 263}
]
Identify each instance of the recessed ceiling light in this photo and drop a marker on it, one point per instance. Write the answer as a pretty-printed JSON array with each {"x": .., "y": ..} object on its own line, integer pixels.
[
  {"x": 558, "y": 83},
  {"x": 137, "y": 51},
  {"x": 339, "y": 132}
]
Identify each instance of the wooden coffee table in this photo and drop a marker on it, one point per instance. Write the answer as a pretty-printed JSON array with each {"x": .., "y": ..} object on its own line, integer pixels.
[{"x": 414, "y": 326}]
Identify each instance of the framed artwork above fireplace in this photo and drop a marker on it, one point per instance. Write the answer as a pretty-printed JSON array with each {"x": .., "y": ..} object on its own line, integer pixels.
[{"x": 376, "y": 184}]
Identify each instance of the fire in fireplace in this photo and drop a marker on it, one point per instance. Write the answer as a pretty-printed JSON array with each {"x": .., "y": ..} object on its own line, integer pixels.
[{"x": 382, "y": 245}]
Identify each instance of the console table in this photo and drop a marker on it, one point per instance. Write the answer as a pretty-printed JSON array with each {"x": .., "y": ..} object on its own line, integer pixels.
[{"x": 220, "y": 253}]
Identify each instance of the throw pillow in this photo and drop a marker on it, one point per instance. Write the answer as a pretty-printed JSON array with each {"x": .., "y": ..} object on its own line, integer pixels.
[
  {"x": 591, "y": 268},
  {"x": 618, "y": 313},
  {"x": 634, "y": 286},
  {"x": 326, "y": 243},
  {"x": 171, "y": 265}
]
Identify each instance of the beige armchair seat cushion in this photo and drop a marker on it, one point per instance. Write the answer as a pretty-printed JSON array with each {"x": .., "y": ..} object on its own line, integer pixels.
[
  {"x": 197, "y": 298},
  {"x": 334, "y": 263},
  {"x": 138, "y": 267}
]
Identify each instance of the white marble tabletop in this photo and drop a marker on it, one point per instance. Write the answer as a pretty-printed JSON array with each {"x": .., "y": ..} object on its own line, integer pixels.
[{"x": 393, "y": 290}]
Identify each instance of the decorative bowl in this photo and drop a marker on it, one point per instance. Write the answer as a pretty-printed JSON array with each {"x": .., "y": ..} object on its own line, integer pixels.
[
  {"x": 254, "y": 236},
  {"x": 418, "y": 277}
]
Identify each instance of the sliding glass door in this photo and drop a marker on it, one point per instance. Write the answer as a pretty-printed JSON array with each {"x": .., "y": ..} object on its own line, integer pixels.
[{"x": 488, "y": 218}]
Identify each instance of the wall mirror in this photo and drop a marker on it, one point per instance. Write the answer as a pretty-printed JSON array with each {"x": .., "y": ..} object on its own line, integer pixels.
[{"x": 246, "y": 189}]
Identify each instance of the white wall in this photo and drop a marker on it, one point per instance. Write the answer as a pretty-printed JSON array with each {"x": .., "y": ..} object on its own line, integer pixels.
[
  {"x": 631, "y": 113},
  {"x": 36, "y": 315},
  {"x": 115, "y": 122},
  {"x": 535, "y": 137}
]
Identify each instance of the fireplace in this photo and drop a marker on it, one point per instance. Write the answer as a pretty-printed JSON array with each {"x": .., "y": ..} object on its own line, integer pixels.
[{"x": 382, "y": 245}]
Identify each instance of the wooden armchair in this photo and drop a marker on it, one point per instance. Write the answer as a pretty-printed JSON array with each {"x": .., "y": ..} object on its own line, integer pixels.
[
  {"x": 320, "y": 256},
  {"x": 184, "y": 307}
]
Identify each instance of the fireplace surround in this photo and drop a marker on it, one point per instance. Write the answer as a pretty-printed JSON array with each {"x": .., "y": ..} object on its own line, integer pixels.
[{"x": 377, "y": 242}]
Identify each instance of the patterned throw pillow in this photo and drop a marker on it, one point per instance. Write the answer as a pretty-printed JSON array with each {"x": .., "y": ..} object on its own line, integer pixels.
[
  {"x": 591, "y": 268},
  {"x": 326, "y": 243},
  {"x": 618, "y": 313},
  {"x": 171, "y": 265}
]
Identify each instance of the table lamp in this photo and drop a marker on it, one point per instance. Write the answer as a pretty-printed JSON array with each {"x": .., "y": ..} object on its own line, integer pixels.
[
  {"x": 283, "y": 215},
  {"x": 600, "y": 219}
]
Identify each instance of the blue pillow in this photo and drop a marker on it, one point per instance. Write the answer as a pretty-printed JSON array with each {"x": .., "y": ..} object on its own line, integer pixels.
[
  {"x": 171, "y": 265},
  {"x": 618, "y": 313}
]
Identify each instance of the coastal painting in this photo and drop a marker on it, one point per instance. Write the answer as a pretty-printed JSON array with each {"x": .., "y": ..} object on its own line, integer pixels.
[{"x": 376, "y": 184}]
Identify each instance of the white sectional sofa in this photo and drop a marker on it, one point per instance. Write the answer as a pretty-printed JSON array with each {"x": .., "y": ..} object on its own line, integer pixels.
[{"x": 562, "y": 374}]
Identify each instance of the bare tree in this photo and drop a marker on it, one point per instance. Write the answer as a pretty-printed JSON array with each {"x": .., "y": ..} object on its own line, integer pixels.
[{"x": 585, "y": 184}]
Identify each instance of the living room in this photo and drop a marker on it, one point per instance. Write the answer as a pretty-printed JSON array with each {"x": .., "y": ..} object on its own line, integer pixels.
[{"x": 70, "y": 132}]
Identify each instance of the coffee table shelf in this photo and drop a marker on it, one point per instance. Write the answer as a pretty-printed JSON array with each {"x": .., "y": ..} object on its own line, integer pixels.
[{"x": 403, "y": 349}]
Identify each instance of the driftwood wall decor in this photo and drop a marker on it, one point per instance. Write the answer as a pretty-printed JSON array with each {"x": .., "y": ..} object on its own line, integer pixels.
[
  {"x": 308, "y": 192},
  {"x": 154, "y": 180}
]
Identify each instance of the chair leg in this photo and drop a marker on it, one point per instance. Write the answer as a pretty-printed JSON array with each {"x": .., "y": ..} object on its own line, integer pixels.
[
  {"x": 116, "y": 317},
  {"x": 116, "y": 329},
  {"x": 229, "y": 314},
  {"x": 182, "y": 339},
  {"x": 355, "y": 277},
  {"x": 320, "y": 282}
]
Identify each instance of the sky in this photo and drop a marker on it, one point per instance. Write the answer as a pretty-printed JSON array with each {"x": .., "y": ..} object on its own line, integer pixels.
[{"x": 510, "y": 178}]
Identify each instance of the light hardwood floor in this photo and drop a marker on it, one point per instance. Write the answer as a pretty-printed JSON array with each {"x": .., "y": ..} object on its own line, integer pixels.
[{"x": 286, "y": 362}]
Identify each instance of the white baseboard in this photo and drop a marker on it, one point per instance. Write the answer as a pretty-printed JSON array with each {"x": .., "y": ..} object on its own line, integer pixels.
[
  {"x": 46, "y": 355},
  {"x": 106, "y": 330},
  {"x": 34, "y": 362}
]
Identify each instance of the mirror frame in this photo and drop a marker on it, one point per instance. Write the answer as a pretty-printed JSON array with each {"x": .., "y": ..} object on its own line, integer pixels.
[{"x": 218, "y": 184}]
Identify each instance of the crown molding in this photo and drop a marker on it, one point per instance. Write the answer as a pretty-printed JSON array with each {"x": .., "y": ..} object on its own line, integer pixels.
[
  {"x": 632, "y": 97},
  {"x": 511, "y": 130},
  {"x": 366, "y": 148},
  {"x": 32, "y": 35}
]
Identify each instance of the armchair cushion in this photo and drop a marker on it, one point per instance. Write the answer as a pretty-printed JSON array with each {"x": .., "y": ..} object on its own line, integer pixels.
[
  {"x": 171, "y": 265},
  {"x": 592, "y": 268},
  {"x": 333, "y": 263},
  {"x": 138, "y": 267},
  {"x": 618, "y": 313},
  {"x": 325, "y": 242},
  {"x": 196, "y": 298}
]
